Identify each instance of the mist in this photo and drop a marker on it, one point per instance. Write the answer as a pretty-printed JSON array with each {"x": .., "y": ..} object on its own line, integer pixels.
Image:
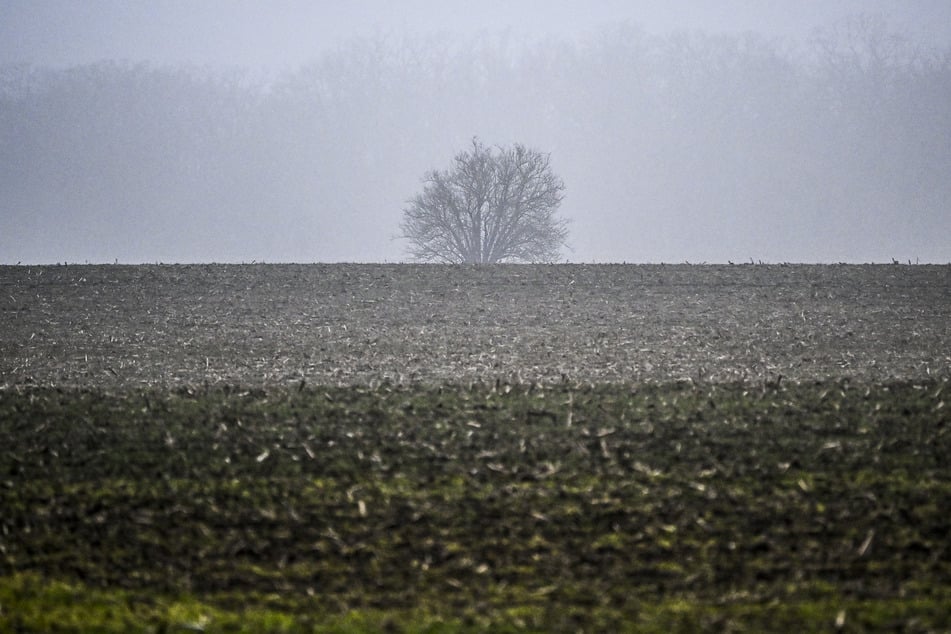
[{"x": 222, "y": 132}]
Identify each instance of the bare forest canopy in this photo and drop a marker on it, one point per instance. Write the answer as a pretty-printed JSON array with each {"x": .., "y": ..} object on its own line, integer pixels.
[{"x": 691, "y": 146}]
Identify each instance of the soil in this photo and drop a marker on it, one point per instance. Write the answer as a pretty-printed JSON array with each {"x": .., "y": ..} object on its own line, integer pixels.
[
  {"x": 136, "y": 326},
  {"x": 550, "y": 448}
]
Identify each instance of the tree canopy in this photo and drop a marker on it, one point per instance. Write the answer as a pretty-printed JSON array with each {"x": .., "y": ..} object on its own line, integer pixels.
[{"x": 492, "y": 205}]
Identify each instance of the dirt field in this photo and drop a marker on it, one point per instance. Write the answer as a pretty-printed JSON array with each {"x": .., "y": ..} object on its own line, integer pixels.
[
  {"x": 364, "y": 448},
  {"x": 128, "y": 326}
]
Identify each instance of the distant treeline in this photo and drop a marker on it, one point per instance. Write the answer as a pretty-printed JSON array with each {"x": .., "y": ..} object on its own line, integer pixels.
[{"x": 687, "y": 145}]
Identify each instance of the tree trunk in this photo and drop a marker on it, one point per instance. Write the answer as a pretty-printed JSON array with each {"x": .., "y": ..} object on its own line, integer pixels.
[{"x": 475, "y": 240}]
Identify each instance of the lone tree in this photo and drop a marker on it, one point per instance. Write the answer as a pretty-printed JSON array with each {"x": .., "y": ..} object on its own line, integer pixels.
[{"x": 491, "y": 206}]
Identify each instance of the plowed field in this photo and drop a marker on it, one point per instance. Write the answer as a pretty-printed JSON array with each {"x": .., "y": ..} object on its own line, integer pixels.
[
  {"x": 545, "y": 448},
  {"x": 146, "y": 326}
]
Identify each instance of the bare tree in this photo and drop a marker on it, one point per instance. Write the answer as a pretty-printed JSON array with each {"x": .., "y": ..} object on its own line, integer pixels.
[{"x": 492, "y": 206}]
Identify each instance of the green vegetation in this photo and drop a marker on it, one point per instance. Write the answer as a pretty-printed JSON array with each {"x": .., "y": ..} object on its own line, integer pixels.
[{"x": 670, "y": 507}]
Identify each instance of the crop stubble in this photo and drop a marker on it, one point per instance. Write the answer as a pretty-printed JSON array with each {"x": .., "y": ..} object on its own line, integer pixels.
[
  {"x": 560, "y": 447},
  {"x": 134, "y": 326}
]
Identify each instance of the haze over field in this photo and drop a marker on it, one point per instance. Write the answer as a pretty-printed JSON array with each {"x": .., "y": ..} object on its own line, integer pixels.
[{"x": 176, "y": 131}]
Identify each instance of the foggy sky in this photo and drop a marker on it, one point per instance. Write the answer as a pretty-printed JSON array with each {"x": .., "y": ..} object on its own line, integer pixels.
[
  {"x": 281, "y": 34},
  {"x": 275, "y": 38}
]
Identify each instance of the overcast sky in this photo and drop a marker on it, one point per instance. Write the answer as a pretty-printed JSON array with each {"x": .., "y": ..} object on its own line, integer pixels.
[
  {"x": 639, "y": 185},
  {"x": 280, "y": 34}
]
